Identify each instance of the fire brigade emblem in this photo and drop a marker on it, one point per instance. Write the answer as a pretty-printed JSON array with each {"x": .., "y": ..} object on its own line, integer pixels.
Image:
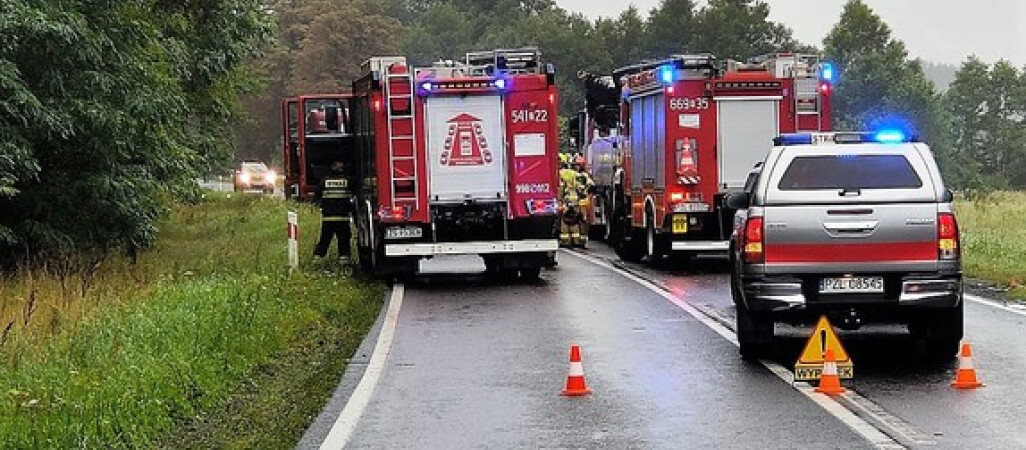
[{"x": 465, "y": 143}]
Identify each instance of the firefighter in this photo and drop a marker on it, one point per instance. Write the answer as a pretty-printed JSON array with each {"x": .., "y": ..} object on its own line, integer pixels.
[
  {"x": 336, "y": 201},
  {"x": 585, "y": 186},
  {"x": 569, "y": 217}
]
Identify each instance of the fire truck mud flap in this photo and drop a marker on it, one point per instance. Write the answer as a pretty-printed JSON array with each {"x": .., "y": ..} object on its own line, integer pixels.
[{"x": 472, "y": 248}]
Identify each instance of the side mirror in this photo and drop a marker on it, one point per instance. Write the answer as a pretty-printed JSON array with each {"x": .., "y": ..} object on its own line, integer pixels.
[
  {"x": 948, "y": 196},
  {"x": 737, "y": 200}
]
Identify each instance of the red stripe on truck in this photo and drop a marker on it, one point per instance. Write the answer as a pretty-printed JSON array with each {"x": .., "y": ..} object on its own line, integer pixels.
[{"x": 830, "y": 253}]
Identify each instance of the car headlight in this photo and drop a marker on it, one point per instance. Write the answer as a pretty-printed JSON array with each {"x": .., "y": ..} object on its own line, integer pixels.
[
  {"x": 245, "y": 177},
  {"x": 270, "y": 176}
]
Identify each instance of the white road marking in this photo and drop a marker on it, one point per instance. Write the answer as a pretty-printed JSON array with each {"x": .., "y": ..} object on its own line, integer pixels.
[
  {"x": 864, "y": 428},
  {"x": 343, "y": 428},
  {"x": 994, "y": 304}
]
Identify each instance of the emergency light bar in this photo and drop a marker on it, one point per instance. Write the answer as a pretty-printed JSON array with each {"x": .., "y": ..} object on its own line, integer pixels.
[
  {"x": 856, "y": 137},
  {"x": 748, "y": 85},
  {"x": 428, "y": 87}
]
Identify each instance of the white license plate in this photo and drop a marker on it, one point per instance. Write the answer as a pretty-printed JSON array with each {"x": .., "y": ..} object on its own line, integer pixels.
[
  {"x": 850, "y": 285},
  {"x": 403, "y": 232}
]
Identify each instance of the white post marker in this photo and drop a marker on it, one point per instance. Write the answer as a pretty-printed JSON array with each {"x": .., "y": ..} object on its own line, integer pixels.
[{"x": 292, "y": 232}]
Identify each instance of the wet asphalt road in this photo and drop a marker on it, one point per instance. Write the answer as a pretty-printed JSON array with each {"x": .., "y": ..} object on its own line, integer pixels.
[
  {"x": 480, "y": 364},
  {"x": 888, "y": 368}
]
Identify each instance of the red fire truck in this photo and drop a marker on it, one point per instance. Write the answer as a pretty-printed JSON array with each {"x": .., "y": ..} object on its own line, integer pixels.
[
  {"x": 317, "y": 131},
  {"x": 457, "y": 158},
  {"x": 691, "y": 132}
]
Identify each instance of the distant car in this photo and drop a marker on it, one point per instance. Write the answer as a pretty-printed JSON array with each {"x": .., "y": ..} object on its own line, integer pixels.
[
  {"x": 856, "y": 226},
  {"x": 254, "y": 175}
]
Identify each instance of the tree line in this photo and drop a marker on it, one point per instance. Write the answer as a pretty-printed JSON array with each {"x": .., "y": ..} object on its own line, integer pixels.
[{"x": 111, "y": 108}]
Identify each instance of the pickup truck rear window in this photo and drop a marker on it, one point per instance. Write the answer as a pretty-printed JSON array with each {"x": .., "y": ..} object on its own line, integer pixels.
[{"x": 849, "y": 172}]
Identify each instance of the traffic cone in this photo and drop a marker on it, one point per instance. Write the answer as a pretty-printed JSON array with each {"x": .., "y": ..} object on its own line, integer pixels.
[
  {"x": 829, "y": 382},
  {"x": 966, "y": 376},
  {"x": 575, "y": 385}
]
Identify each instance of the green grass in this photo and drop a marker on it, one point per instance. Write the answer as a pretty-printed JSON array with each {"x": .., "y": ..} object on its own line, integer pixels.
[
  {"x": 207, "y": 341},
  {"x": 994, "y": 239}
]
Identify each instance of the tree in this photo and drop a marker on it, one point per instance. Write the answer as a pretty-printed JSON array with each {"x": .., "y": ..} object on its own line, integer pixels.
[
  {"x": 109, "y": 109},
  {"x": 320, "y": 46},
  {"x": 670, "y": 28},
  {"x": 338, "y": 37},
  {"x": 622, "y": 38},
  {"x": 739, "y": 29},
  {"x": 877, "y": 80},
  {"x": 987, "y": 110}
]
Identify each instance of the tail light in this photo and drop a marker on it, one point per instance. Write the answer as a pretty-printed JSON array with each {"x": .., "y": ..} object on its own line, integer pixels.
[
  {"x": 542, "y": 207},
  {"x": 393, "y": 214},
  {"x": 752, "y": 241},
  {"x": 947, "y": 236}
]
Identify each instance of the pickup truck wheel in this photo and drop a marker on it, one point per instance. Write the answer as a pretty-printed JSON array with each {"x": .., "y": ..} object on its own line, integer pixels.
[
  {"x": 754, "y": 334},
  {"x": 941, "y": 332}
]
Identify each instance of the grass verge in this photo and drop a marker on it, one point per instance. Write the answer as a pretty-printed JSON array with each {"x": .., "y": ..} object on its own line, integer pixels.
[
  {"x": 994, "y": 239},
  {"x": 205, "y": 342}
]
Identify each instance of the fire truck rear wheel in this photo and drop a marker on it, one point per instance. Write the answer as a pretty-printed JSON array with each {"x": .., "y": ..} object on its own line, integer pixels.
[
  {"x": 531, "y": 273},
  {"x": 630, "y": 250},
  {"x": 651, "y": 243}
]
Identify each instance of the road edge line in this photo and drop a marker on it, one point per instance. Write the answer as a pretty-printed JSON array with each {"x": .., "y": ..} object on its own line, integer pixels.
[
  {"x": 347, "y": 420},
  {"x": 993, "y": 304},
  {"x": 862, "y": 427}
]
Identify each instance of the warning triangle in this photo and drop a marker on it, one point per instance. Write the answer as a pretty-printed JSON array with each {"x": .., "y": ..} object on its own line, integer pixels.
[{"x": 822, "y": 339}]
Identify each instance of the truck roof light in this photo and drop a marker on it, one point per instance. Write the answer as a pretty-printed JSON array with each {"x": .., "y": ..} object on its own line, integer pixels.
[
  {"x": 500, "y": 83},
  {"x": 427, "y": 86},
  {"x": 793, "y": 139},
  {"x": 889, "y": 137},
  {"x": 667, "y": 74},
  {"x": 826, "y": 71}
]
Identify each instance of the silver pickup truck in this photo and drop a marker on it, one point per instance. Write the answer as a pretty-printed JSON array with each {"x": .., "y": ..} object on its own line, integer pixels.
[{"x": 857, "y": 226}]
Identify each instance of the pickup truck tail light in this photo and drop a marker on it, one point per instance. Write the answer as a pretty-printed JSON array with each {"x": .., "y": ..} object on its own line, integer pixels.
[
  {"x": 947, "y": 236},
  {"x": 752, "y": 241}
]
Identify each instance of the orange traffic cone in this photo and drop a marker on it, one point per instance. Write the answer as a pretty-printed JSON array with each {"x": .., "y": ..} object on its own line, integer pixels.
[
  {"x": 575, "y": 385},
  {"x": 966, "y": 376},
  {"x": 829, "y": 382}
]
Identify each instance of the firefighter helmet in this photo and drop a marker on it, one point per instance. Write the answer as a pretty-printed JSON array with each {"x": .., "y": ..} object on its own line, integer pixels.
[{"x": 579, "y": 161}]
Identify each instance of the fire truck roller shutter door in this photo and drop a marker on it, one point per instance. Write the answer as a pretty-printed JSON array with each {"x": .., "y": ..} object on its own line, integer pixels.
[
  {"x": 465, "y": 148},
  {"x": 747, "y": 126}
]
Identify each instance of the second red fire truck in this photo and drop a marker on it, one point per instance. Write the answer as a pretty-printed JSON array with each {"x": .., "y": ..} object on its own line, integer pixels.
[
  {"x": 456, "y": 158},
  {"x": 689, "y": 132}
]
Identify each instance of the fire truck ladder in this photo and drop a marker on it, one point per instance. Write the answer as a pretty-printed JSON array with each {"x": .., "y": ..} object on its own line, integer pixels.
[{"x": 402, "y": 142}]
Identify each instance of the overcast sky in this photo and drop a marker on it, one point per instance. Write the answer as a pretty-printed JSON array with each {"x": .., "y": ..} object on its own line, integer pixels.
[{"x": 935, "y": 30}]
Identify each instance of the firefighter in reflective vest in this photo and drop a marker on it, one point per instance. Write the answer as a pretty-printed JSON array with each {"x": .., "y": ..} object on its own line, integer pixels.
[
  {"x": 570, "y": 212},
  {"x": 585, "y": 186},
  {"x": 336, "y": 200}
]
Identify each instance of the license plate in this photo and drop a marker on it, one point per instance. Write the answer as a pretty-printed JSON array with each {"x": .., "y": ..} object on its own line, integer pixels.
[
  {"x": 680, "y": 224},
  {"x": 403, "y": 232},
  {"x": 850, "y": 285}
]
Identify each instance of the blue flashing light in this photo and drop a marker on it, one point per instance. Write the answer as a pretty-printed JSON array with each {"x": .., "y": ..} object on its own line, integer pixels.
[
  {"x": 826, "y": 71},
  {"x": 427, "y": 86},
  {"x": 500, "y": 83},
  {"x": 889, "y": 136},
  {"x": 667, "y": 74},
  {"x": 793, "y": 139}
]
